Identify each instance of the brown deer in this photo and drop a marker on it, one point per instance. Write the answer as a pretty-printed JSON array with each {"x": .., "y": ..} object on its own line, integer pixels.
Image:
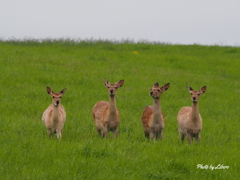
[
  {"x": 189, "y": 118},
  {"x": 54, "y": 116},
  {"x": 106, "y": 115},
  {"x": 152, "y": 117}
]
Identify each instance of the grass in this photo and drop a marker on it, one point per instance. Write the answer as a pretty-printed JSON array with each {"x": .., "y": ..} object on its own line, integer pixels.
[{"x": 28, "y": 67}]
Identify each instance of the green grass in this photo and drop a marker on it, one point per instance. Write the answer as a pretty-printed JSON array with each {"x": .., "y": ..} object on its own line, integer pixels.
[{"x": 28, "y": 67}]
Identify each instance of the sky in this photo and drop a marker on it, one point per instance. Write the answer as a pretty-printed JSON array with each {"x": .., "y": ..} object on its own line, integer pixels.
[{"x": 205, "y": 22}]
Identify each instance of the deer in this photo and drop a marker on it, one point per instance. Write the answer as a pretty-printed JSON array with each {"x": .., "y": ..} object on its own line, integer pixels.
[
  {"x": 189, "y": 118},
  {"x": 54, "y": 116},
  {"x": 105, "y": 114},
  {"x": 152, "y": 117}
]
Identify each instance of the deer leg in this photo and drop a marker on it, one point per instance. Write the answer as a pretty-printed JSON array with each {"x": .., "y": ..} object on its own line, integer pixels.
[
  {"x": 182, "y": 136},
  {"x": 59, "y": 134},
  {"x": 49, "y": 132},
  {"x": 105, "y": 133},
  {"x": 159, "y": 135},
  {"x": 99, "y": 132},
  {"x": 198, "y": 137},
  {"x": 190, "y": 138},
  {"x": 146, "y": 134},
  {"x": 152, "y": 135},
  {"x": 116, "y": 133}
]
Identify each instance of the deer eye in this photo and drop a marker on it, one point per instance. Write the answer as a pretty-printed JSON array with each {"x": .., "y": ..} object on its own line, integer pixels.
[
  {"x": 53, "y": 96},
  {"x": 60, "y": 97},
  {"x": 158, "y": 90},
  {"x": 199, "y": 94}
]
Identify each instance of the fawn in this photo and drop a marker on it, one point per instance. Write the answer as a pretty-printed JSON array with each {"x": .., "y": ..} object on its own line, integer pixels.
[
  {"x": 54, "y": 116},
  {"x": 189, "y": 118},
  {"x": 106, "y": 115},
  {"x": 152, "y": 117}
]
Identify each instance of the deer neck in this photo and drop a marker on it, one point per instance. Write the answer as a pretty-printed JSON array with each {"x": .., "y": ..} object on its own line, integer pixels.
[
  {"x": 112, "y": 108},
  {"x": 55, "y": 112},
  {"x": 156, "y": 111},
  {"x": 195, "y": 112}
]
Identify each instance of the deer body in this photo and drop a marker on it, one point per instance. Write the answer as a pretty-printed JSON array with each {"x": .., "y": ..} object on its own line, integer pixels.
[
  {"x": 189, "y": 118},
  {"x": 105, "y": 114},
  {"x": 152, "y": 117},
  {"x": 54, "y": 116}
]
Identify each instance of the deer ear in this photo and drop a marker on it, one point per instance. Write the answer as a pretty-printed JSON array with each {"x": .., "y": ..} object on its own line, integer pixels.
[
  {"x": 190, "y": 89},
  {"x": 120, "y": 83},
  {"x": 156, "y": 84},
  {"x": 49, "y": 90},
  {"x": 63, "y": 91},
  {"x": 165, "y": 87},
  {"x": 203, "y": 89},
  {"x": 106, "y": 83}
]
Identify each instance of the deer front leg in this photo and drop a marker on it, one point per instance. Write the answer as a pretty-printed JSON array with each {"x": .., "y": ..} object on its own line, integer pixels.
[
  {"x": 49, "y": 132},
  {"x": 99, "y": 131},
  {"x": 159, "y": 135},
  {"x": 198, "y": 137},
  {"x": 115, "y": 133},
  {"x": 151, "y": 135},
  {"x": 104, "y": 133},
  {"x": 146, "y": 134},
  {"x": 59, "y": 133},
  {"x": 190, "y": 138},
  {"x": 182, "y": 136}
]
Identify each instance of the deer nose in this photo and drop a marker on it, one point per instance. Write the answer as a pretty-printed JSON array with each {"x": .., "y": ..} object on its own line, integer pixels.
[
  {"x": 194, "y": 98},
  {"x": 57, "y": 102},
  {"x": 111, "y": 91},
  {"x": 151, "y": 93}
]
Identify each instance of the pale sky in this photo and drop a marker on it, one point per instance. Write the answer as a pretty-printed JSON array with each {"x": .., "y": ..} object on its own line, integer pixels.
[{"x": 206, "y": 22}]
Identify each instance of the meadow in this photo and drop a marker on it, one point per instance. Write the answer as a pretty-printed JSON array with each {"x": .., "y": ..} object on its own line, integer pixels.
[{"x": 29, "y": 66}]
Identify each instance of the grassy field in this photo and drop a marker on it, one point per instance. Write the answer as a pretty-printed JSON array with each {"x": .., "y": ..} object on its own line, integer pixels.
[{"x": 28, "y": 67}]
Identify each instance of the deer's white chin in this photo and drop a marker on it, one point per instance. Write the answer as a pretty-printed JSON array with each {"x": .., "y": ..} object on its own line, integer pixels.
[{"x": 154, "y": 97}]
